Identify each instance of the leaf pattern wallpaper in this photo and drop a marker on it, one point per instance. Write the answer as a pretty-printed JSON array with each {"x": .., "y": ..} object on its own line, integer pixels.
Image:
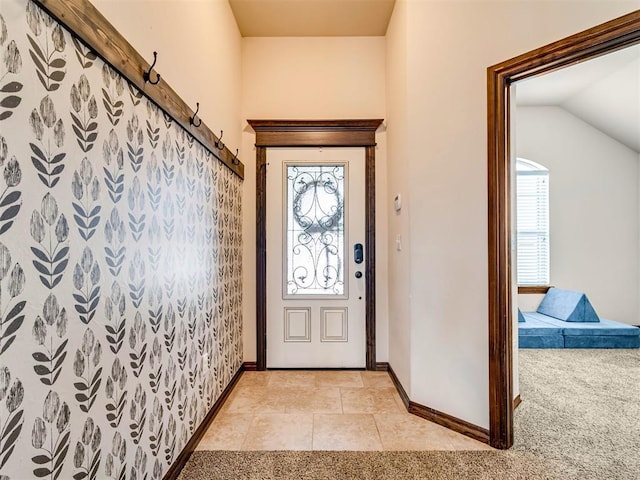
[{"x": 120, "y": 266}]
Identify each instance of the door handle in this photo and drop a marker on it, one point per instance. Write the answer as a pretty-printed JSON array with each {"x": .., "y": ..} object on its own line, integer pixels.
[{"x": 358, "y": 255}]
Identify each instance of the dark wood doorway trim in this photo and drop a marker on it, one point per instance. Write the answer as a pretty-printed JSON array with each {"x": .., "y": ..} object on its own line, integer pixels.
[
  {"x": 315, "y": 133},
  {"x": 596, "y": 41}
]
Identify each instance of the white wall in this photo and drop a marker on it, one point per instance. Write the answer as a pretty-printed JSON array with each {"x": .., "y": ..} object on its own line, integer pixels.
[
  {"x": 313, "y": 78},
  {"x": 199, "y": 53},
  {"x": 397, "y": 183},
  {"x": 449, "y": 46},
  {"x": 593, "y": 208}
]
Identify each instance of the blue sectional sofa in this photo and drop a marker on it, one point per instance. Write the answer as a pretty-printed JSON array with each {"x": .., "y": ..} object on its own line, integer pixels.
[{"x": 566, "y": 319}]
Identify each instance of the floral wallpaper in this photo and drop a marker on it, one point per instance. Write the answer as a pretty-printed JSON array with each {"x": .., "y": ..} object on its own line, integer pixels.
[{"x": 120, "y": 266}]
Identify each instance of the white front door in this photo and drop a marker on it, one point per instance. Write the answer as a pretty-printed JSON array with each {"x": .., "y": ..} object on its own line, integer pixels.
[{"x": 315, "y": 258}]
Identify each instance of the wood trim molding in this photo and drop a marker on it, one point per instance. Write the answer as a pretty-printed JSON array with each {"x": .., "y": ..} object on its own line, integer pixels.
[
  {"x": 517, "y": 401},
  {"x": 370, "y": 255},
  {"x": 435, "y": 416},
  {"x": 314, "y": 133},
  {"x": 401, "y": 391},
  {"x": 91, "y": 27},
  {"x": 250, "y": 366},
  {"x": 183, "y": 457},
  {"x": 451, "y": 422},
  {"x": 533, "y": 289},
  {"x": 382, "y": 366},
  {"x": 261, "y": 257},
  {"x": 607, "y": 37}
]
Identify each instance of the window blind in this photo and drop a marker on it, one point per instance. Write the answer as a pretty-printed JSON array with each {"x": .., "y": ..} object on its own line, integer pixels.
[{"x": 533, "y": 227}]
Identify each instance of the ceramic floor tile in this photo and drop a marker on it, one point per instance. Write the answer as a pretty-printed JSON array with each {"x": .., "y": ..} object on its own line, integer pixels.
[
  {"x": 310, "y": 400},
  {"x": 280, "y": 432},
  {"x": 254, "y": 400},
  {"x": 324, "y": 410},
  {"x": 345, "y": 432},
  {"x": 377, "y": 380},
  {"x": 409, "y": 432},
  {"x": 369, "y": 400},
  {"x": 458, "y": 441},
  {"x": 227, "y": 432},
  {"x": 338, "y": 379},
  {"x": 292, "y": 378},
  {"x": 254, "y": 379}
]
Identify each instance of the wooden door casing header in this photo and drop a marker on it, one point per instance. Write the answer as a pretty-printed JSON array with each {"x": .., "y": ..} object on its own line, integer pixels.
[{"x": 315, "y": 133}]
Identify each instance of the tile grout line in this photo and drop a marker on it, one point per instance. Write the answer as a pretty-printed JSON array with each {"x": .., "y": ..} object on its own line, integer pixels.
[
  {"x": 378, "y": 430},
  {"x": 244, "y": 440}
]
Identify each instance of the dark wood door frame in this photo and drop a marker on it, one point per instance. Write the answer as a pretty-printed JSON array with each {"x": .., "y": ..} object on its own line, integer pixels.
[
  {"x": 604, "y": 38},
  {"x": 315, "y": 133}
]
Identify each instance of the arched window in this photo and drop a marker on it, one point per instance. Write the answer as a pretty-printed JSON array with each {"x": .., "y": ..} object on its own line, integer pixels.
[{"x": 532, "y": 203}]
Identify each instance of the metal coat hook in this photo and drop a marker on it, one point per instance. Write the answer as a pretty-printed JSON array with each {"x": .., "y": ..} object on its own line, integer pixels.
[
  {"x": 192, "y": 120},
  {"x": 147, "y": 75},
  {"x": 235, "y": 160},
  {"x": 218, "y": 143}
]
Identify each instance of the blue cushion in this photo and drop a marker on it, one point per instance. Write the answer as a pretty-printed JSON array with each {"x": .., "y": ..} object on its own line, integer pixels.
[
  {"x": 542, "y": 331},
  {"x": 567, "y": 305},
  {"x": 602, "y": 341},
  {"x": 535, "y": 324},
  {"x": 534, "y": 332},
  {"x": 541, "y": 341},
  {"x": 520, "y": 317},
  {"x": 603, "y": 328}
]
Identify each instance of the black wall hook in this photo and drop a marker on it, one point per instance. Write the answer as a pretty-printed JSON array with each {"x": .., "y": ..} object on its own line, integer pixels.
[
  {"x": 147, "y": 75},
  {"x": 235, "y": 160},
  {"x": 218, "y": 143},
  {"x": 192, "y": 120}
]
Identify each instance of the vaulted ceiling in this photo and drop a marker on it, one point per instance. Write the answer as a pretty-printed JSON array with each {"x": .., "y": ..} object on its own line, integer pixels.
[{"x": 603, "y": 92}]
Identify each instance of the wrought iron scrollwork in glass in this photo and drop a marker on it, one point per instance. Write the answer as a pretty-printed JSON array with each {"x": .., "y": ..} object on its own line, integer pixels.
[{"x": 315, "y": 229}]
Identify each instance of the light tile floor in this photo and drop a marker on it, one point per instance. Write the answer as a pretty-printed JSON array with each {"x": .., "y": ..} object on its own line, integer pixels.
[{"x": 323, "y": 410}]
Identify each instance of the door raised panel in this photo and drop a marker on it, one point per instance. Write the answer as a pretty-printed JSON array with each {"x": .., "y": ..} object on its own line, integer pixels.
[
  {"x": 334, "y": 325},
  {"x": 297, "y": 324}
]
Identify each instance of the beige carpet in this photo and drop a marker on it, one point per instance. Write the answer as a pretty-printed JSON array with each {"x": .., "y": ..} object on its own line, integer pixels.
[{"x": 580, "y": 419}]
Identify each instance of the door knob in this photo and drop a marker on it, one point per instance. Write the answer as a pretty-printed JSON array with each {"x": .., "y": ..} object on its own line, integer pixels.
[{"x": 358, "y": 274}]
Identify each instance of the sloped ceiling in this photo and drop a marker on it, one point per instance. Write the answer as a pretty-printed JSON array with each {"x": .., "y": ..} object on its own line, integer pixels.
[
  {"x": 603, "y": 92},
  {"x": 312, "y": 18}
]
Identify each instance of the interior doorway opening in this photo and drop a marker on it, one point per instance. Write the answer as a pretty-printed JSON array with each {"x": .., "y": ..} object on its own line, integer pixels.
[{"x": 608, "y": 37}]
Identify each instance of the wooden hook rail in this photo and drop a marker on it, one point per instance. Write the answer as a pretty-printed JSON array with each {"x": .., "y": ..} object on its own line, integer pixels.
[{"x": 84, "y": 21}]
